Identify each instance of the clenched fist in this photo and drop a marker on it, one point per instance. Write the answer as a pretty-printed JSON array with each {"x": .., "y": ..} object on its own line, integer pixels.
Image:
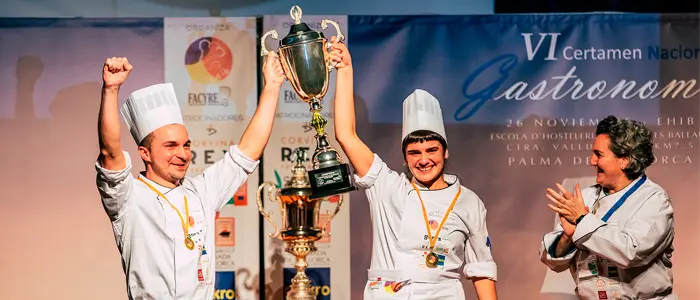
[
  {"x": 272, "y": 70},
  {"x": 115, "y": 71}
]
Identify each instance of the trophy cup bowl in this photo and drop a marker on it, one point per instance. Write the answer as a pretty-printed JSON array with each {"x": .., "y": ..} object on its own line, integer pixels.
[
  {"x": 300, "y": 227},
  {"x": 305, "y": 58}
]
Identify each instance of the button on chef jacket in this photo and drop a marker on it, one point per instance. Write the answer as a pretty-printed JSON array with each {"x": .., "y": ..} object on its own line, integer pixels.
[
  {"x": 627, "y": 257},
  {"x": 399, "y": 237},
  {"x": 149, "y": 233}
]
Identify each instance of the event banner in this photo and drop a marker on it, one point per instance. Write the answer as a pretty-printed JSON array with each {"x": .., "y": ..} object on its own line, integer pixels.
[
  {"x": 292, "y": 130},
  {"x": 521, "y": 97},
  {"x": 212, "y": 64}
]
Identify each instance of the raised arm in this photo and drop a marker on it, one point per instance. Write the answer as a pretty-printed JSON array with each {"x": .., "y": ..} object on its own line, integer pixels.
[
  {"x": 114, "y": 73},
  {"x": 113, "y": 165},
  {"x": 258, "y": 132},
  {"x": 361, "y": 157},
  {"x": 222, "y": 179}
]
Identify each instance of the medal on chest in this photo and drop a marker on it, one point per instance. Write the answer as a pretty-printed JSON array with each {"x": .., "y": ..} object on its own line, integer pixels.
[
  {"x": 432, "y": 260},
  {"x": 189, "y": 243}
]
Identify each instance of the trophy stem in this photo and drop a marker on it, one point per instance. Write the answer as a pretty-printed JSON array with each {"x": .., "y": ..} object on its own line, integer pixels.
[
  {"x": 301, "y": 288},
  {"x": 318, "y": 122}
]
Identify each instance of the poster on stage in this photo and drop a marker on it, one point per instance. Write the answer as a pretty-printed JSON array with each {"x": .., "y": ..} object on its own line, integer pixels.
[{"x": 212, "y": 64}]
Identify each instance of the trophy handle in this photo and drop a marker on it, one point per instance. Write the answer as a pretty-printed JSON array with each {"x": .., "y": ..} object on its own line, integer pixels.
[
  {"x": 337, "y": 209},
  {"x": 341, "y": 37},
  {"x": 272, "y": 194},
  {"x": 271, "y": 33}
]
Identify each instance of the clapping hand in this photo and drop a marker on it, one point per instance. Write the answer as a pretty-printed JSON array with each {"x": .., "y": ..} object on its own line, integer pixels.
[{"x": 569, "y": 206}]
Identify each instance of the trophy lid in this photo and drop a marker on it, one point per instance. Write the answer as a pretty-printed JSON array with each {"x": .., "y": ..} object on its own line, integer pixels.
[
  {"x": 299, "y": 32},
  {"x": 299, "y": 184}
]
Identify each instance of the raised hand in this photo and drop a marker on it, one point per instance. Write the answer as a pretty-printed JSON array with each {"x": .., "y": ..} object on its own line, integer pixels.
[
  {"x": 272, "y": 70},
  {"x": 340, "y": 54},
  {"x": 115, "y": 71},
  {"x": 569, "y": 206}
]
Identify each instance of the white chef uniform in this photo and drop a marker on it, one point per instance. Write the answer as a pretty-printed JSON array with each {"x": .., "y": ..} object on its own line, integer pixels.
[
  {"x": 622, "y": 248},
  {"x": 400, "y": 238},
  {"x": 148, "y": 231}
]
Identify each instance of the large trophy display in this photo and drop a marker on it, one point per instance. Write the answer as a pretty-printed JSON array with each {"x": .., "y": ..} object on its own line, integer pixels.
[
  {"x": 305, "y": 58},
  {"x": 300, "y": 223}
]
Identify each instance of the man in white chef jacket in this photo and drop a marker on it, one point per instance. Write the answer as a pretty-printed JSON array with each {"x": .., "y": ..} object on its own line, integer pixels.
[
  {"x": 615, "y": 236},
  {"x": 163, "y": 222}
]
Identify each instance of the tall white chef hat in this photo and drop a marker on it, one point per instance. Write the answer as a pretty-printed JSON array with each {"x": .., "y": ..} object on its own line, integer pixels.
[
  {"x": 421, "y": 111},
  {"x": 151, "y": 108}
]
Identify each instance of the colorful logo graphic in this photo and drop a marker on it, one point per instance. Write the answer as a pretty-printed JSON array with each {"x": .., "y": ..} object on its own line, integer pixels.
[
  {"x": 433, "y": 224},
  {"x": 208, "y": 60},
  {"x": 240, "y": 198},
  {"x": 225, "y": 231},
  {"x": 225, "y": 286},
  {"x": 393, "y": 287}
]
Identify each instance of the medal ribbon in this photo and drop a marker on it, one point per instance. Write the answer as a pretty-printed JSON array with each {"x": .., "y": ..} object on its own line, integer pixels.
[
  {"x": 432, "y": 238},
  {"x": 620, "y": 201},
  {"x": 187, "y": 211}
]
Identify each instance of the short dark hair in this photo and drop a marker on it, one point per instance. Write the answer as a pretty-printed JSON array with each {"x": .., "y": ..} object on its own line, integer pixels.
[
  {"x": 420, "y": 136},
  {"x": 146, "y": 142},
  {"x": 631, "y": 139}
]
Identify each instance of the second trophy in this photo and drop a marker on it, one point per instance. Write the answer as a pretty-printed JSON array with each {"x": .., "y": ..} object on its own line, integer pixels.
[{"x": 301, "y": 226}]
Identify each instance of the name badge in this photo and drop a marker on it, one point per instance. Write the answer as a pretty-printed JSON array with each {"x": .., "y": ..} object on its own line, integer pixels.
[{"x": 588, "y": 267}]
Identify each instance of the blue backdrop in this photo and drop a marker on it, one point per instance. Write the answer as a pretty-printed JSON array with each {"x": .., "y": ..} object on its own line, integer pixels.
[{"x": 521, "y": 95}]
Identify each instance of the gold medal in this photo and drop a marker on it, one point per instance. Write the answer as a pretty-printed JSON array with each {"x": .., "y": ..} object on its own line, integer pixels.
[
  {"x": 431, "y": 260},
  {"x": 189, "y": 243}
]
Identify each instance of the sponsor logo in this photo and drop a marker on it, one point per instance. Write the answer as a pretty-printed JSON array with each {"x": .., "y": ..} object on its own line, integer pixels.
[
  {"x": 208, "y": 61},
  {"x": 213, "y": 118},
  {"x": 298, "y": 140},
  {"x": 225, "y": 286},
  {"x": 287, "y": 154},
  {"x": 211, "y": 130},
  {"x": 306, "y": 127},
  {"x": 225, "y": 231},
  {"x": 206, "y": 99},
  {"x": 240, "y": 198},
  {"x": 208, "y": 27},
  {"x": 290, "y": 97}
]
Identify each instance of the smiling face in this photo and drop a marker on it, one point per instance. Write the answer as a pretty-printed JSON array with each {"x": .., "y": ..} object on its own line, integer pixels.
[
  {"x": 426, "y": 160},
  {"x": 167, "y": 153},
  {"x": 609, "y": 168}
]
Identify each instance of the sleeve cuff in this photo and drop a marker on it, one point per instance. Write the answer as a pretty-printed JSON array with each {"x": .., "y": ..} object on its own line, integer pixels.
[
  {"x": 115, "y": 175},
  {"x": 242, "y": 160},
  {"x": 482, "y": 270},
  {"x": 372, "y": 174},
  {"x": 588, "y": 224},
  {"x": 554, "y": 240}
]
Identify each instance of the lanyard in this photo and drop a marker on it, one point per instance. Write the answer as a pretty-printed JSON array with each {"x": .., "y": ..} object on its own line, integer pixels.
[
  {"x": 623, "y": 198},
  {"x": 432, "y": 238},
  {"x": 188, "y": 241}
]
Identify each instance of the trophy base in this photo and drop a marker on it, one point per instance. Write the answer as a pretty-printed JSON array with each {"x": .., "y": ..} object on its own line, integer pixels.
[
  {"x": 301, "y": 288},
  {"x": 330, "y": 181}
]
